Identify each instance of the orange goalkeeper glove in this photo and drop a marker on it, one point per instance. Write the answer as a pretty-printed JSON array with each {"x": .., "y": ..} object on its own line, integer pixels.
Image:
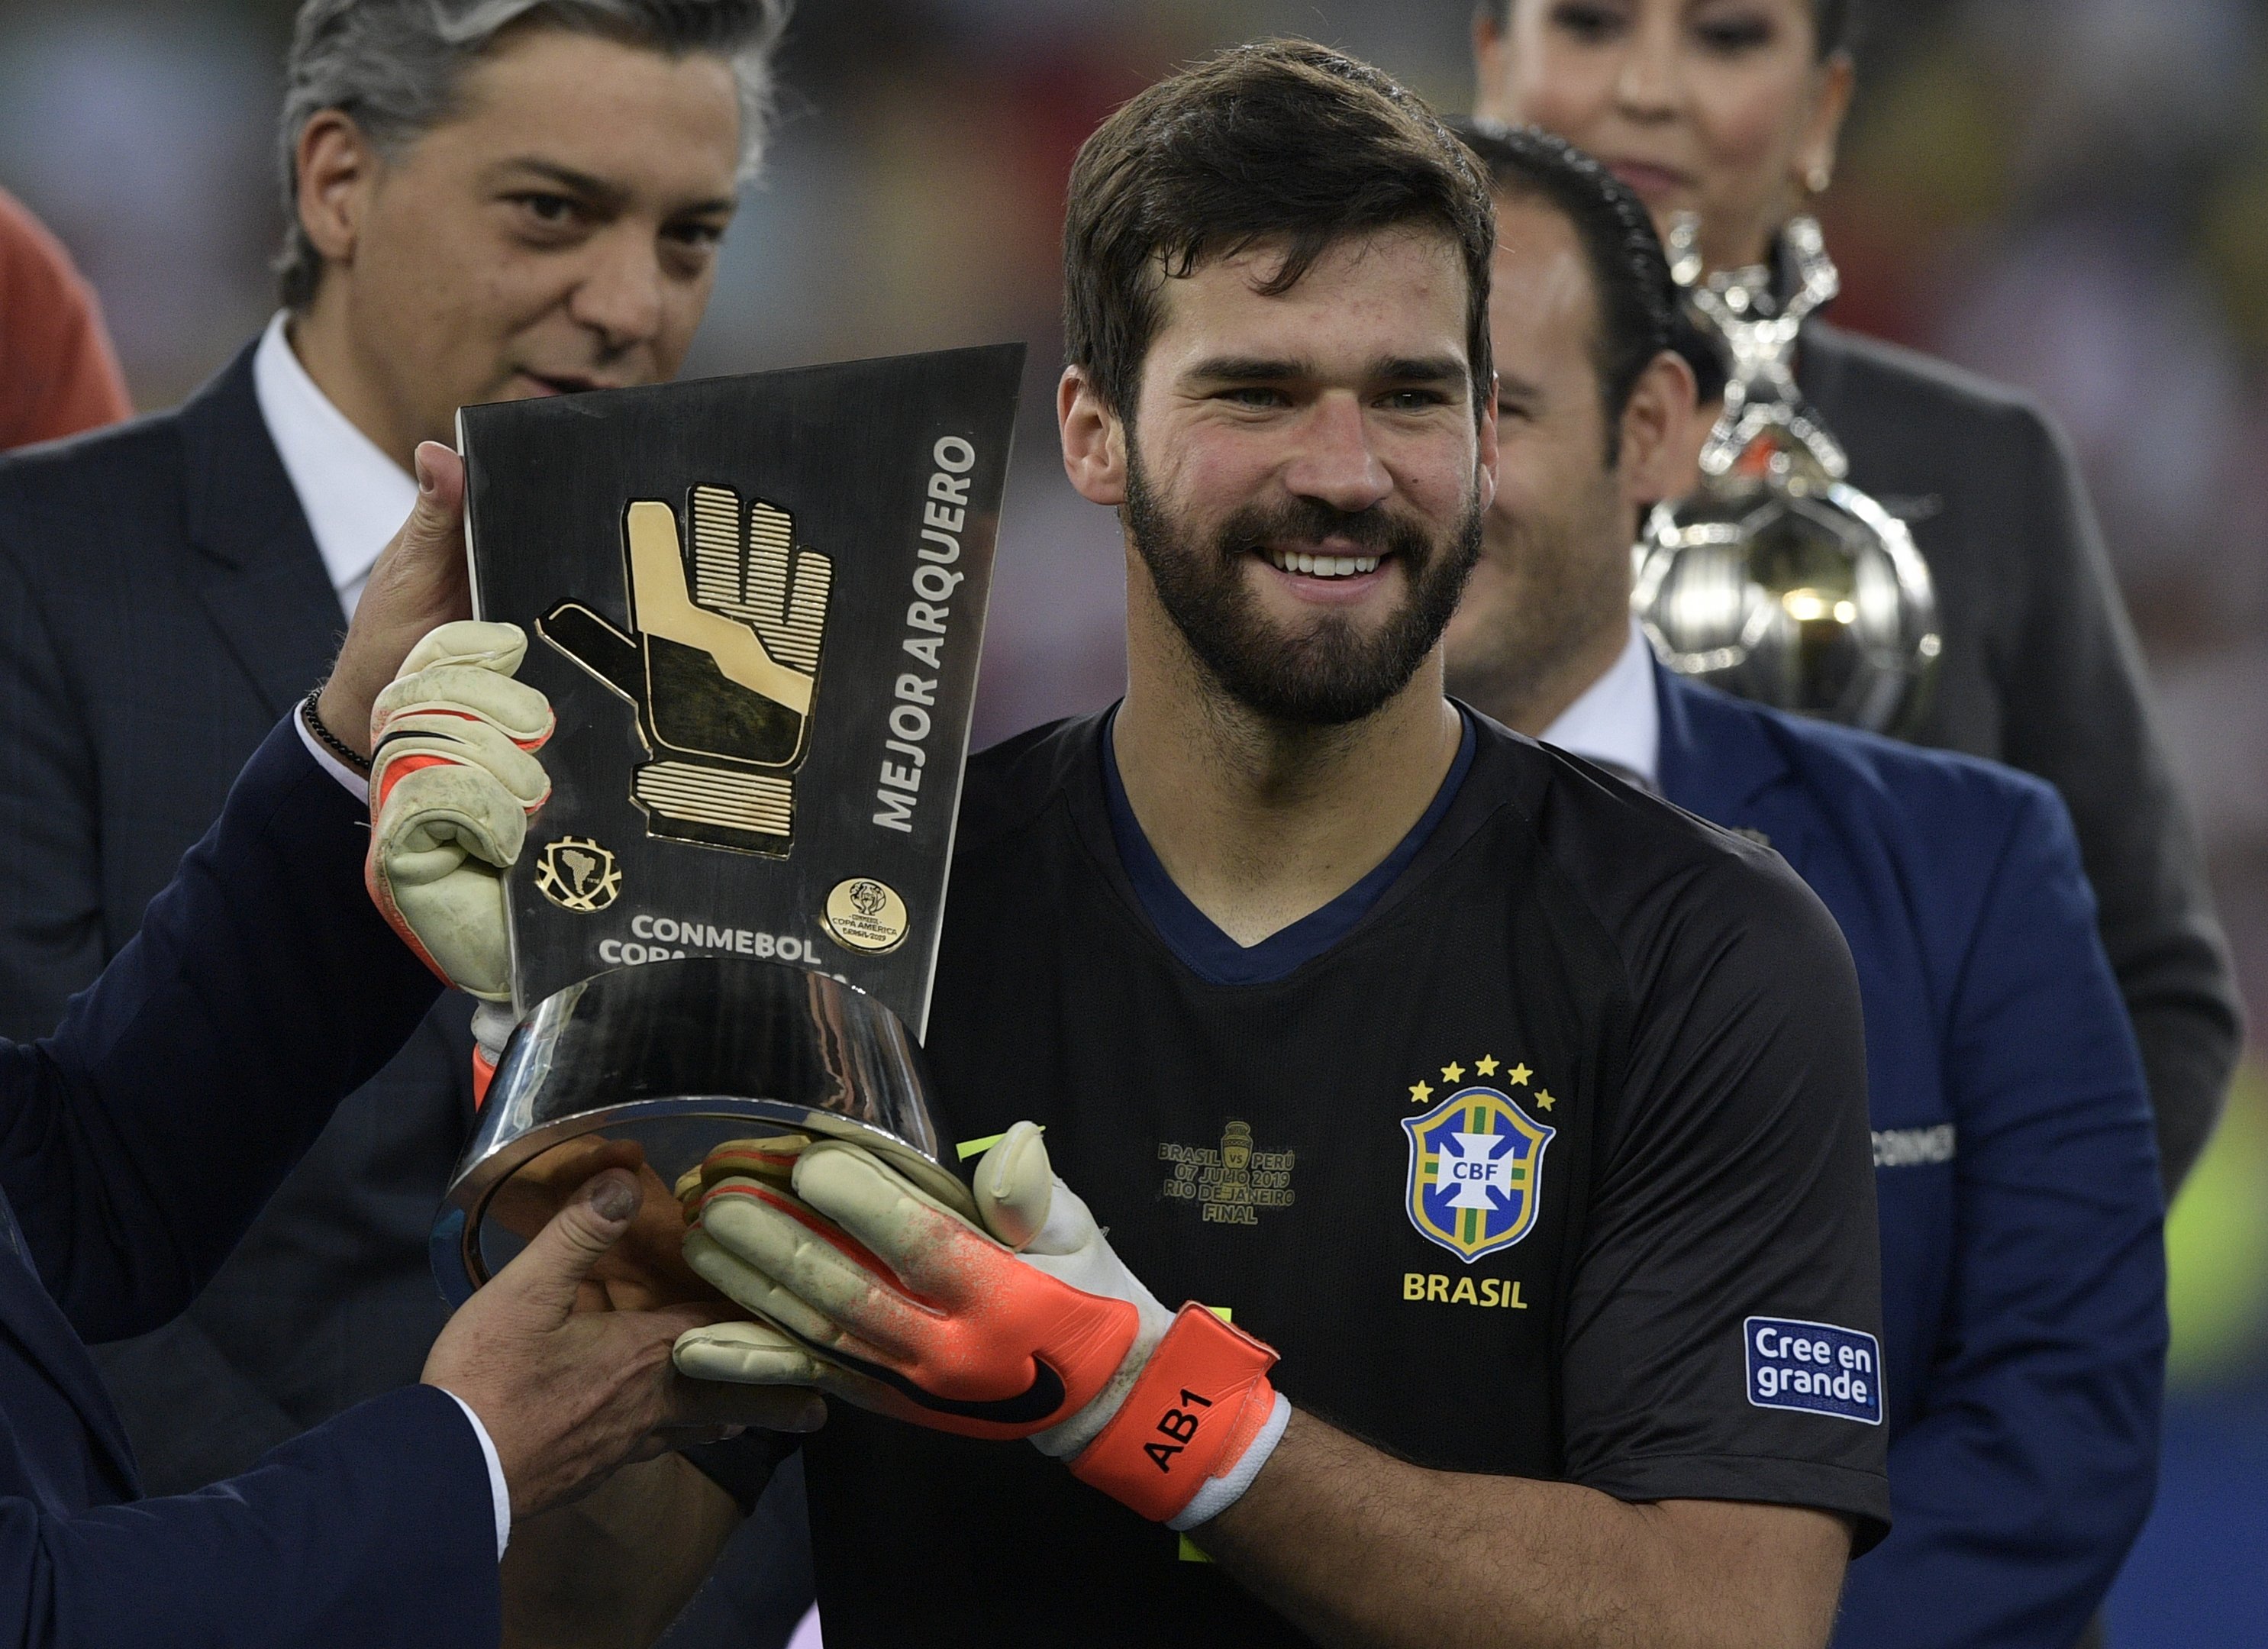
[{"x": 873, "y": 1291}]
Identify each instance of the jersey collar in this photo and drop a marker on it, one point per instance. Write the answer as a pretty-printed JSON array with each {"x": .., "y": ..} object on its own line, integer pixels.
[{"x": 1200, "y": 945}]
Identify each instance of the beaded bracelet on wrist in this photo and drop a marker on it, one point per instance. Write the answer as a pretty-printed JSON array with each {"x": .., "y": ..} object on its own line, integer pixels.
[{"x": 330, "y": 741}]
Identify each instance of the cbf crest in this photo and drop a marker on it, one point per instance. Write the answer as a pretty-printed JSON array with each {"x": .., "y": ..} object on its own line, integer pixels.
[{"x": 1475, "y": 1168}]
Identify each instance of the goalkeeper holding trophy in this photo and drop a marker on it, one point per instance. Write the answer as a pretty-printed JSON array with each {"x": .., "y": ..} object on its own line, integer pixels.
[{"x": 1509, "y": 1125}]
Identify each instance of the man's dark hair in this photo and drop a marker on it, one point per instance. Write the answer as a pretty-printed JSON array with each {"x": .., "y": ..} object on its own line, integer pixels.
[
  {"x": 1834, "y": 22},
  {"x": 1637, "y": 301},
  {"x": 1280, "y": 141}
]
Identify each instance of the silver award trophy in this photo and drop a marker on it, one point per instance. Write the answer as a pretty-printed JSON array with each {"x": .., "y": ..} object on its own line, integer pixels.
[
  {"x": 756, "y": 605},
  {"x": 1778, "y": 580}
]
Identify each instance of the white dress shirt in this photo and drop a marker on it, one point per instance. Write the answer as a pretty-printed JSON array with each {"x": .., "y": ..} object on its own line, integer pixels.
[
  {"x": 1617, "y": 721},
  {"x": 355, "y": 497}
]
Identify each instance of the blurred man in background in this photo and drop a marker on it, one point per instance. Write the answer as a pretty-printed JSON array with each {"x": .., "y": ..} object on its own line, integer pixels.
[
  {"x": 2023, "y": 1288},
  {"x": 486, "y": 201},
  {"x": 58, "y": 373}
]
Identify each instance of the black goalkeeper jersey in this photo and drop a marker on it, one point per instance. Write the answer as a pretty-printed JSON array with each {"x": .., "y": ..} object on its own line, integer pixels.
[{"x": 1556, "y": 1165}]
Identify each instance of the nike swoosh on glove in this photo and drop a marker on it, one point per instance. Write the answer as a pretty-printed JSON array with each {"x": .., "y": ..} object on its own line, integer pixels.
[
  {"x": 452, "y": 785},
  {"x": 873, "y": 1292}
]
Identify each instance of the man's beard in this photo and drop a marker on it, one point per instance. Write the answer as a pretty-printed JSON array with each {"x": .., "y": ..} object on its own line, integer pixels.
[
  {"x": 1325, "y": 672},
  {"x": 1564, "y": 584}
]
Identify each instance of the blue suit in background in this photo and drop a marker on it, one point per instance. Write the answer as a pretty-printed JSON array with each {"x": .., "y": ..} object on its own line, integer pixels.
[
  {"x": 2023, "y": 1276},
  {"x": 137, "y": 1145}
]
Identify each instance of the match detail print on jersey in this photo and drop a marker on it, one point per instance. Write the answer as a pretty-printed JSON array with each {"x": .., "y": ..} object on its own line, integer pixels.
[
  {"x": 1232, "y": 1181},
  {"x": 1476, "y": 1164}
]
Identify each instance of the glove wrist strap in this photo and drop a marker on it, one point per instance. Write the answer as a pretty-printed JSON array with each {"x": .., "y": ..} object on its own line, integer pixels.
[
  {"x": 1198, "y": 1404},
  {"x": 1221, "y": 1492}
]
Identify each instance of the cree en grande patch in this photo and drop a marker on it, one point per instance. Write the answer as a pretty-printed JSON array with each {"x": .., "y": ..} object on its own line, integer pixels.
[
  {"x": 1475, "y": 1168},
  {"x": 1814, "y": 1368}
]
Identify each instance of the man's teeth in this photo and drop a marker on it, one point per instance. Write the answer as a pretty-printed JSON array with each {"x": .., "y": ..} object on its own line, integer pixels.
[{"x": 1323, "y": 566}]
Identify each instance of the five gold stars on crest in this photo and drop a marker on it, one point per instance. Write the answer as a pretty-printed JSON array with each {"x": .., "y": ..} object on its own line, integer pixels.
[{"x": 1453, "y": 1073}]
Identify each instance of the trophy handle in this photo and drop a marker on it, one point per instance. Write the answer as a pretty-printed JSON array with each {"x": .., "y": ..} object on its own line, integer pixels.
[
  {"x": 1727, "y": 317},
  {"x": 1684, "y": 248},
  {"x": 1756, "y": 338},
  {"x": 1817, "y": 280}
]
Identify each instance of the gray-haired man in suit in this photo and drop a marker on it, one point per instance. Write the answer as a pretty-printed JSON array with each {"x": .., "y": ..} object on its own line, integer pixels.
[{"x": 488, "y": 199}]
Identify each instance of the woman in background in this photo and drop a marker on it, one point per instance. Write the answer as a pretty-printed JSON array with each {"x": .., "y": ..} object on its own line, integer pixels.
[{"x": 1731, "y": 109}]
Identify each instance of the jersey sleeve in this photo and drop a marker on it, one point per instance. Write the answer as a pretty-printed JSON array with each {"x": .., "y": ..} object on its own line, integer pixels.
[{"x": 1724, "y": 1332}]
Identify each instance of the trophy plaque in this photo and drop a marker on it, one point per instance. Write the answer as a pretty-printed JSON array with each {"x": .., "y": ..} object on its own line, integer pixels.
[
  {"x": 756, "y": 606},
  {"x": 1778, "y": 580}
]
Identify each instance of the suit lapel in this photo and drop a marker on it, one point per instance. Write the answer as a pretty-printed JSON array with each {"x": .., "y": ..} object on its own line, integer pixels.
[
  {"x": 255, "y": 568},
  {"x": 1719, "y": 759}
]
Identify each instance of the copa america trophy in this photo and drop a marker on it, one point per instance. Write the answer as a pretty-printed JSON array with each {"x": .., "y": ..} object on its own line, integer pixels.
[
  {"x": 756, "y": 606},
  {"x": 1778, "y": 580}
]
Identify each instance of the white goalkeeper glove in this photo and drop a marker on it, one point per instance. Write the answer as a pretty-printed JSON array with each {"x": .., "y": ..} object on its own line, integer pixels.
[{"x": 451, "y": 784}]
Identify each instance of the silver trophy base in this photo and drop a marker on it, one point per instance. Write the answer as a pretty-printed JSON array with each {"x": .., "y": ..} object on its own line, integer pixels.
[{"x": 663, "y": 1062}]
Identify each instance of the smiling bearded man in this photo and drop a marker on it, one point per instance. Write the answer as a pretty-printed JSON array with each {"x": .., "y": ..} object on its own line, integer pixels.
[
  {"x": 1326, "y": 672},
  {"x": 1498, "y": 1100}
]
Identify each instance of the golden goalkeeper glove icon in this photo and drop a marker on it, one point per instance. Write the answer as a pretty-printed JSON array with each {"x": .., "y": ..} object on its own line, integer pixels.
[{"x": 722, "y": 665}]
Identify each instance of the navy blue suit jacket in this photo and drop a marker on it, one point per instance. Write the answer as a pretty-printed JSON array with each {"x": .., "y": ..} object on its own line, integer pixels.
[
  {"x": 137, "y": 1145},
  {"x": 162, "y": 605},
  {"x": 2023, "y": 1277}
]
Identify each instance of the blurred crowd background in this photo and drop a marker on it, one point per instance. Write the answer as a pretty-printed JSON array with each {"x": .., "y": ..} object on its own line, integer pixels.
[{"x": 2071, "y": 195}]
